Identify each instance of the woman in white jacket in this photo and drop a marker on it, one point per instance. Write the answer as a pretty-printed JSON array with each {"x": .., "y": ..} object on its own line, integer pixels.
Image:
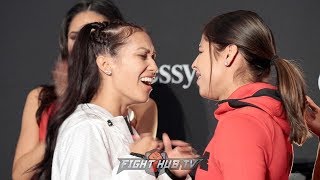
[
  {"x": 41, "y": 101},
  {"x": 111, "y": 67}
]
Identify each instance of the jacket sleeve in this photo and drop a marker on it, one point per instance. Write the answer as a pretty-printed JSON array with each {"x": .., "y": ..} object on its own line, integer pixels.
[{"x": 240, "y": 151}]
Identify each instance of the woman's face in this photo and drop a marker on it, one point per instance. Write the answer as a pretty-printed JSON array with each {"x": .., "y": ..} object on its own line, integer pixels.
[
  {"x": 134, "y": 68},
  {"x": 202, "y": 67},
  {"x": 79, "y": 21}
]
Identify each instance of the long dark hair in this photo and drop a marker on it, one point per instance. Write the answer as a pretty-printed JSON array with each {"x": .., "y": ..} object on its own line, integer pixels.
[
  {"x": 84, "y": 77},
  {"x": 255, "y": 42},
  {"x": 106, "y": 8}
]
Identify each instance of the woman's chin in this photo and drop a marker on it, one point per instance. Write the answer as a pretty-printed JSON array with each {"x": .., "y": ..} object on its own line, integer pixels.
[
  {"x": 203, "y": 93},
  {"x": 144, "y": 99},
  {"x": 206, "y": 95},
  {"x": 141, "y": 99}
]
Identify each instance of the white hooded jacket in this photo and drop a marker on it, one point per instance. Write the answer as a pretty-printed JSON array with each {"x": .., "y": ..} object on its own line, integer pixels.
[{"x": 89, "y": 143}]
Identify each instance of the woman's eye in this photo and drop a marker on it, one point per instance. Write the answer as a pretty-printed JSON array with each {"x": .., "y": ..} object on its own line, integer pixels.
[
  {"x": 143, "y": 56},
  {"x": 153, "y": 57},
  {"x": 73, "y": 37}
]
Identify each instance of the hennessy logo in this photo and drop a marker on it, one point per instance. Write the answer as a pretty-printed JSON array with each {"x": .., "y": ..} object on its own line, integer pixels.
[{"x": 176, "y": 74}]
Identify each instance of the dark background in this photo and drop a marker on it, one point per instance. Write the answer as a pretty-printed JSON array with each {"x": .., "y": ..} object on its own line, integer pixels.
[{"x": 29, "y": 40}]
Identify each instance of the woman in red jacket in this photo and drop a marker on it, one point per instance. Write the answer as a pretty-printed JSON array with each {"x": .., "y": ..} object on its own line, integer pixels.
[{"x": 258, "y": 122}]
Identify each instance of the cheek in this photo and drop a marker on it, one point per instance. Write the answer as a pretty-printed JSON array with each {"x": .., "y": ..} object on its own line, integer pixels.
[
  {"x": 218, "y": 80},
  {"x": 205, "y": 66},
  {"x": 129, "y": 73},
  {"x": 216, "y": 75},
  {"x": 136, "y": 67},
  {"x": 211, "y": 73}
]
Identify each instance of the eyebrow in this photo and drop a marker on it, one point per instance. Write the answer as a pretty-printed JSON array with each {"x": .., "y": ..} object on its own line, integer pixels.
[{"x": 147, "y": 50}]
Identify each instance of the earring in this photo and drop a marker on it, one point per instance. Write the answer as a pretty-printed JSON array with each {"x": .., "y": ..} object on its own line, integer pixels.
[
  {"x": 108, "y": 73},
  {"x": 226, "y": 62}
]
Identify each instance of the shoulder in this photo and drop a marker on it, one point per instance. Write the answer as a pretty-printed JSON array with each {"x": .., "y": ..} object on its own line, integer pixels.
[
  {"x": 32, "y": 104},
  {"x": 80, "y": 139},
  {"x": 81, "y": 122},
  {"x": 36, "y": 91},
  {"x": 40, "y": 93},
  {"x": 247, "y": 117},
  {"x": 238, "y": 135},
  {"x": 85, "y": 125},
  {"x": 33, "y": 95},
  {"x": 149, "y": 106},
  {"x": 81, "y": 133},
  {"x": 242, "y": 125},
  {"x": 151, "y": 103}
]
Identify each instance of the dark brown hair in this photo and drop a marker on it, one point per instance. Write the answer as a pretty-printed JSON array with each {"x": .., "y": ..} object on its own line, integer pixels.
[
  {"x": 106, "y": 8},
  {"x": 84, "y": 79},
  {"x": 255, "y": 42}
]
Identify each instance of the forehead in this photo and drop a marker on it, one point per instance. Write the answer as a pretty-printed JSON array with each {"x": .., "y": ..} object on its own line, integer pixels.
[
  {"x": 140, "y": 40},
  {"x": 84, "y": 18}
]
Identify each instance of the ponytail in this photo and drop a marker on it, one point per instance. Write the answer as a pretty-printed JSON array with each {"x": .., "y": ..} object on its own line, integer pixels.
[
  {"x": 248, "y": 31},
  {"x": 81, "y": 88},
  {"x": 292, "y": 88}
]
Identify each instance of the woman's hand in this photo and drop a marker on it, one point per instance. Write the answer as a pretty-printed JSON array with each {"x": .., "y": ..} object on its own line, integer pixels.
[
  {"x": 312, "y": 116},
  {"x": 182, "y": 150},
  {"x": 143, "y": 144},
  {"x": 60, "y": 76}
]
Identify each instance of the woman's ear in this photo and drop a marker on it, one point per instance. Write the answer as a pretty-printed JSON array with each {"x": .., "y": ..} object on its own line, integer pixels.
[
  {"x": 104, "y": 64},
  {"x": 231, "y": 54}
]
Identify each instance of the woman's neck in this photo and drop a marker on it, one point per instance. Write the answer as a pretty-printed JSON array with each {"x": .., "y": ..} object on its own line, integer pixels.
[
  {"x": 229, "y": 90},
  {"x": 112, "y": 103}
]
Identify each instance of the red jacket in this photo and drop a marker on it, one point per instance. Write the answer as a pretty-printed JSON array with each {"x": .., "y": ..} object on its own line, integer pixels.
[
  {"x": 249, "y": 143},
  {"x": 44, "y": 122}
]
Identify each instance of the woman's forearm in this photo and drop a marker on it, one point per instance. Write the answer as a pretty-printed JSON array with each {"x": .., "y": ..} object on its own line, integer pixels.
[{"x": 22, "y": 168}]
